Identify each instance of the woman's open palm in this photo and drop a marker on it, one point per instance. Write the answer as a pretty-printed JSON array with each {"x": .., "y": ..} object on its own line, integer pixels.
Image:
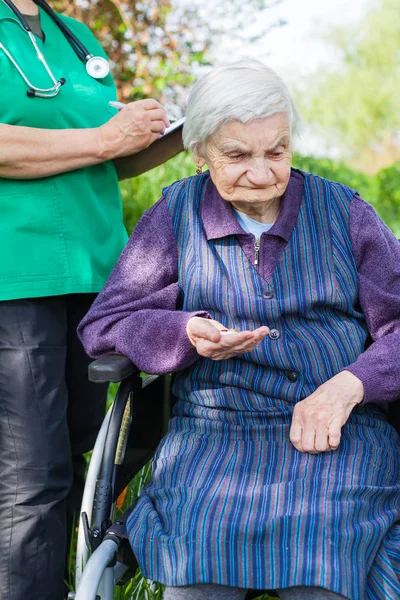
[{"x": 206, "y": 336}]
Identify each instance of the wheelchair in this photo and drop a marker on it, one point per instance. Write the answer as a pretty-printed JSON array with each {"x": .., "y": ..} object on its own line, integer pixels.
[{"x": 129, "y": 436}]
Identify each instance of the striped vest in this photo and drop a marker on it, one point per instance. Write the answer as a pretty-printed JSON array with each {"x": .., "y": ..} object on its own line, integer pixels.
[{"x": 314, "y": 307}]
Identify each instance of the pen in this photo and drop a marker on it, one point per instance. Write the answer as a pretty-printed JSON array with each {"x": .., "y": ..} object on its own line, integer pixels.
[
  {"x": 174, "y": 125},
  {"x": 116, "y": 104}
]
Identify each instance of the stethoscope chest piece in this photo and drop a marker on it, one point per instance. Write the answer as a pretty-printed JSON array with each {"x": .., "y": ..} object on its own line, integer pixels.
[{"x": 97, "y": 67}]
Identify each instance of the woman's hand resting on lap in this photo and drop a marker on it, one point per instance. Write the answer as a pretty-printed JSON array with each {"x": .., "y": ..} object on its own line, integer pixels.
[
  {"x": 205, "y": 335},
  {"x": 318, "y": 420}
]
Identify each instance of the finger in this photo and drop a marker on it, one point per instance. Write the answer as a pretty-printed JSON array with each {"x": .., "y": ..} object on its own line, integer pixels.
[
  {"x": 157, "y": 126},
  {"x": 161, "y": 113},
  {"x": 149, "y": 104},
  {"x": 230, "y": 340},
  {"x": 240, "y": 343},
  {"x": 220, "y": 356},
  {"x": 258, "y": 333},
  {"x": 254, "y": 340},
  {"x": 223, "y": 349},
  {"x": 203, "y": 329},
  {"x": 148, "y": 108},
  {"x": 308, "y": 438},
  {"x": 261, "y": 331},
  {"x": 254, "y": 337},
  {"x": 246, "y": 347},
  {"x": 208, "y": 349},
  {"x": 334, "y": 434},
  {"x": 322, "y": 439},
  {"x": 158, "y": 114},
  {"x": 228, "y": 345},
  {"x": 142, "y": 106},
  {"x": 236, "y": 346},
  {"x": 295, "y": 434},
  {"x": 154, "y": 137}
]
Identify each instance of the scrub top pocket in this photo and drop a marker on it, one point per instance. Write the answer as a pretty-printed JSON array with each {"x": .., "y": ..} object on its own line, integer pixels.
[
  {"x": 90, "y": 96},
  {"x": 32, "y": 242}
]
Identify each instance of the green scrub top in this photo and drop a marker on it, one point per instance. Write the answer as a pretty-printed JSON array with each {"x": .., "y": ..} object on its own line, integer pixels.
[{"x": 59, "y": 234}]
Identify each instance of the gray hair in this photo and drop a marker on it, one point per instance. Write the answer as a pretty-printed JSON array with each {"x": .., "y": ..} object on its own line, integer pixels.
[{"x": 240, "y": 91}]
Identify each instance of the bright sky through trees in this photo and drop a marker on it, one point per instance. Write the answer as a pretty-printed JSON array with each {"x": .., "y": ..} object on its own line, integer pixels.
[{"x": 296, "y": 48}]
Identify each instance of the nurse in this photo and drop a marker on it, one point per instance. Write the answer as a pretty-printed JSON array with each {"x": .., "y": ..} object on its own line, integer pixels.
[{"x": 61, "y": 232}]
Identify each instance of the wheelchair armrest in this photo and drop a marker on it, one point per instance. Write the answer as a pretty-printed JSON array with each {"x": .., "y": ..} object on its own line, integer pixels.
[{"x": 111, "y": 368}]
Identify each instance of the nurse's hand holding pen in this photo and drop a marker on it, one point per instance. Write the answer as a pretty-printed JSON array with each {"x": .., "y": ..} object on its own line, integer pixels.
[
  {"x": 134, "y": 128},
  {"x": 32, "y": 153}
]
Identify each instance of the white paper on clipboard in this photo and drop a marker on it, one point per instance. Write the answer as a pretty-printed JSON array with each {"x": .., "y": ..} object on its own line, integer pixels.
[{"x": 173, "y": 126}]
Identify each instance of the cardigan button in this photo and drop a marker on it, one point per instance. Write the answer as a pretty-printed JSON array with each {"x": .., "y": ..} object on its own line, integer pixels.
[
  {"x": 268, "y": 295},
  {"x": 274, "y": 334},
  {"x": 292, "y": 376}
]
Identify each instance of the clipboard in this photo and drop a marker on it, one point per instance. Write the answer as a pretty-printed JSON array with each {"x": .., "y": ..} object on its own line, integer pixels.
[{"x": 166, "y": 147}]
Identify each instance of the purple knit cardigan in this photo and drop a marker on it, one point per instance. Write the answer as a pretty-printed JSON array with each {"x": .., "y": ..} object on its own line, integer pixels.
[{"x": 137, "y": 313}]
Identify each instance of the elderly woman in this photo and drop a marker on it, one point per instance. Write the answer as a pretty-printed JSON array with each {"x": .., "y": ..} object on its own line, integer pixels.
[{"x": 259, "y": 285}]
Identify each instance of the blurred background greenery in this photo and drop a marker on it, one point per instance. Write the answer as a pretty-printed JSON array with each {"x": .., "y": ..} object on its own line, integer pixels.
[
  {"x": 349, "y": 104},
  {"x": 381, "y": 189}
]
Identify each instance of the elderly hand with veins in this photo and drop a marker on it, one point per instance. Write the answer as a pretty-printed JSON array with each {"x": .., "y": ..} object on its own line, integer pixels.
[
  {"x": 206, "y": 336},
  {"x": 318, "y": 419},
  {"x": 133, "y": 129}
]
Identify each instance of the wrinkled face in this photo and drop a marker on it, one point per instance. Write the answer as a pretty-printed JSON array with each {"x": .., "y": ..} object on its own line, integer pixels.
[{"x": 250, "y": 162}]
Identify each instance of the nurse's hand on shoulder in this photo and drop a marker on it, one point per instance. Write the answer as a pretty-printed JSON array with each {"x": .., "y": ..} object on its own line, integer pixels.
[
  {"x": 318, "y": 419},
  {"x": 206, "y": 336},
  {"x": 133, "y": 128}
]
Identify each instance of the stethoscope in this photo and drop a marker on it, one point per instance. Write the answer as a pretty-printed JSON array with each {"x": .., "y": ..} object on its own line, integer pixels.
[{"x": 96, "y": 66}]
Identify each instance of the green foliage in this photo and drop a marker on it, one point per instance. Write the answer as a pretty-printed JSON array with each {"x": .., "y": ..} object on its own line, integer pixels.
[
  {"x": 388, "y": 199},
  {"x": 381, "y": 190},
  {"x": 138, "y": 588},
  {"x": 149, "y": 44},
  {"x": 140, "y": 193},
  {"x": 356, "y": 103},
  {"x": 338, "y": 171}
]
